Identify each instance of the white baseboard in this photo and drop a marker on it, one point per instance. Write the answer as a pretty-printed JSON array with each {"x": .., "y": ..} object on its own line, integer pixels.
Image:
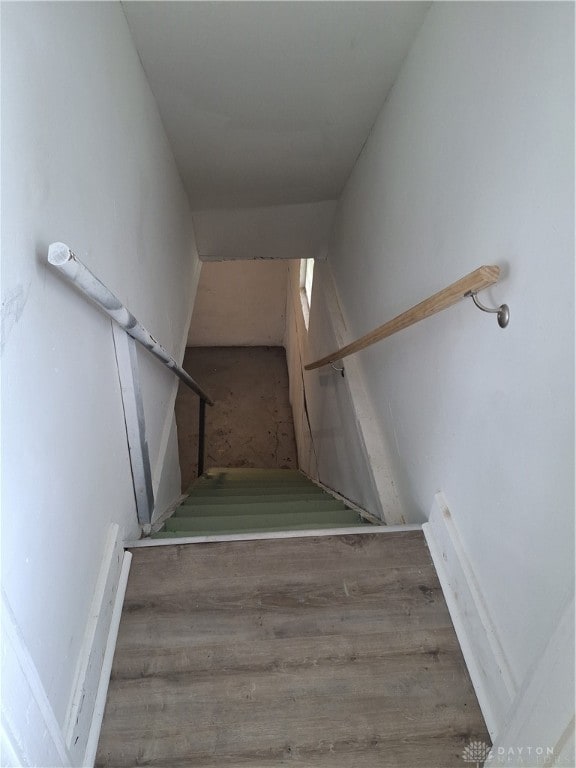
[
  {"x": 365, "y": 514},
  {"x": 488, "y": 667},
  {"x": 80, "y": 713},
  {"x": 102, "y": 692}
]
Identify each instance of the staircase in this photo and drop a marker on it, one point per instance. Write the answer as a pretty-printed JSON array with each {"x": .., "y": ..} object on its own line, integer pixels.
[{"x": 228, "y": 501}]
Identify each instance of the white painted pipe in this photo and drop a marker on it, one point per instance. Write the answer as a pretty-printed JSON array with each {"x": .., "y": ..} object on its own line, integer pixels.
[{"x": 67, "y": 263}]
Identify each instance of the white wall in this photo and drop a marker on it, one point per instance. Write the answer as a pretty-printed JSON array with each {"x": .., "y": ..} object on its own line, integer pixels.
[
  {"x": 86, "y": 161},
  {"x": 471, "y": 162},
  {"x": 337, "y": 434},
  {"x": 278, "y": 231},
  {"x": 240, "y": 303}
]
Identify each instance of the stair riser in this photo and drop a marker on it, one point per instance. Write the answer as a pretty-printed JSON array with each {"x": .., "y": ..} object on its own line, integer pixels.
[
  {"x": 268, "y": 529},
  {"x": 224, "y": 485},
  {"x": 296, "y": 507},
  {"x": 259, "y": 499},
  {"x": 272, "y": 490},
  {"x": 253, "y": 472},
  {"x": 262, "y": 522}
]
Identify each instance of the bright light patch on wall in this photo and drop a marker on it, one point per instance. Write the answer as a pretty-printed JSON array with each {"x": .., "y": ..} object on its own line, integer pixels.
[{"x": 306, "y": 278}]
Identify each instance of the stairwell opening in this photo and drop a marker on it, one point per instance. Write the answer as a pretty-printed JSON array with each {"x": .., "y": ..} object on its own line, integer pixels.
[{"x": 235, "y": 347}]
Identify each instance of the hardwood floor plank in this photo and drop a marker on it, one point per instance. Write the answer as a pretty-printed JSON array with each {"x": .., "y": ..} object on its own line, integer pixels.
[
  {"x": 303, "y": 728},
  {"x": 155, "y": 569},
  {"x": 371, "y": 752},
  {"x": 278, "y": 653},
  {"x": 302, "y": 590},
  {"x": 306, "y": 690}
]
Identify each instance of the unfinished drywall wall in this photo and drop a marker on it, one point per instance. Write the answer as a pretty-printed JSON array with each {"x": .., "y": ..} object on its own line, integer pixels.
[
  {"x": 471, "y": 161},
  {"x": 240, "y": 303},
  {"x": 85, "y": 161}
]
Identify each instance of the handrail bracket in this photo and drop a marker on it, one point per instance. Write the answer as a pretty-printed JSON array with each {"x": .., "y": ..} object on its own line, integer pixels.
[{"x": 502, "y": 312}]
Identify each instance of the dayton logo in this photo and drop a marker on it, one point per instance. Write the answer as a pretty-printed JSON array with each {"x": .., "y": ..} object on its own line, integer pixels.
[{"x": 476, "y": 752}]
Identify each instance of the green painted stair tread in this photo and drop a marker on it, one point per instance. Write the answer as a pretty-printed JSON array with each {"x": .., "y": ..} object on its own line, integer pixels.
[
  {"x": 261, "y": 508},
  {"x": 225, "y": 481},
  {"x": 254, "y": 490},
  {"x": 217, "y": 501},
  {"x": 247, "y": 500},
  {"x": 212, "y": 488},
  {"x": 206, "y": 490},
  {"x": 252, "y": 471},
  {"x": 251, "y": 494},
  {"x": 282, "y": 475},
  {"x": 269, "y": 529},
  {"x": 263, "y": 522}
]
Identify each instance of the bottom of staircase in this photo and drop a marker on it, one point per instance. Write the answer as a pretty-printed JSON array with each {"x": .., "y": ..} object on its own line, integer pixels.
[{"x": 235, "y": 504}]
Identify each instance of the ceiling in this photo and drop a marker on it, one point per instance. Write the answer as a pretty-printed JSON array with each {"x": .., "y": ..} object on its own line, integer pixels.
[{"x": 270, "y": 103}]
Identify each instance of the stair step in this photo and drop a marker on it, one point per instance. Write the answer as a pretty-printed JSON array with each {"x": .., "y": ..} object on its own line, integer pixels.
[
  {"x": 205, "y": 492},
  {"x": 252, "y": 472},
  {"x": 280, "y": 521},
  {"x": 307, "y": 507},
  {"x": 208, "y": 490},
  {"x": 223, "y": 479},
  {"x": 254, "y": 489},
  {"x": 209, "y": 531},
  {"x": 253, "y": 498},
  {"x": 247, "y": 500}
]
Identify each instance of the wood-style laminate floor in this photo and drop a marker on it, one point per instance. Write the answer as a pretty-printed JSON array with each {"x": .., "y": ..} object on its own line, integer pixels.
[{"x": 319, "y": 652}]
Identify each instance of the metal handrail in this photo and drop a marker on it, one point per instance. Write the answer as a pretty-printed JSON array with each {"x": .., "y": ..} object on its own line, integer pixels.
[{"x": 75, "y": 272}]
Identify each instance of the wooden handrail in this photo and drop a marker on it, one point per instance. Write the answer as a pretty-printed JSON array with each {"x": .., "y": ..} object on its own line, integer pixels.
[{"x": 481, "y": 278}]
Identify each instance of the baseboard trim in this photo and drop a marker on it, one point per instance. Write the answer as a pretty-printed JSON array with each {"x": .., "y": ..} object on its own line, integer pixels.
[
  {"x": 82, "y": 701},
  {"x": 362, "y": 512},
  {"x": 168, "y": 512},
  {"x": 351, "y": 531},
  {"x": 100, "y": 703},
  {"x": 487, "y": 665}
]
